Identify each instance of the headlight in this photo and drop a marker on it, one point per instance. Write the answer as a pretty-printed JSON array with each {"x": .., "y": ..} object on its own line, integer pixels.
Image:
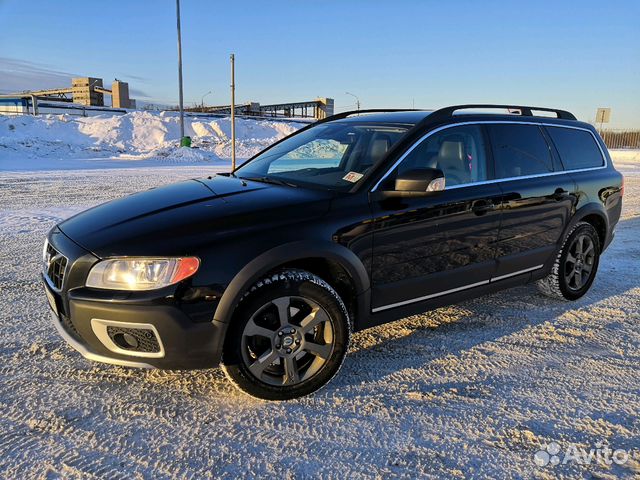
[{"x": 141, "y": 273}]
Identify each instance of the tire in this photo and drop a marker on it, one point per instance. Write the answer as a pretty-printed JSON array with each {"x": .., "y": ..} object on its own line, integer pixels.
[
  {"x": 288, "y": 337},
  {"x": 575, "y": 266}
]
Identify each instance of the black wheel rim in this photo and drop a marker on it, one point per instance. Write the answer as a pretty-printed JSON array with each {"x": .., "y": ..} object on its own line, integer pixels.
[
  {"x": 580, "y": 262},
  {"x": 287, "y": 341}
]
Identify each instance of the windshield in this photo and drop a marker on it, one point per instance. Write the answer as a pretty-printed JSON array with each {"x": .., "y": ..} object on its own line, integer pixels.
[{"x": 332, "y": 155}]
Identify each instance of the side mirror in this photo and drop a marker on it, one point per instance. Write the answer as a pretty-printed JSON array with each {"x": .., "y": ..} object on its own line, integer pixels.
[{"x": 419, "y": 182}]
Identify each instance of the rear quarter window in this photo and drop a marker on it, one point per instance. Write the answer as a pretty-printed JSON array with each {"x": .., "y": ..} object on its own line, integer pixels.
[
  {"x": 577, "y": 148},
  {"x": 519, "y": 150}
]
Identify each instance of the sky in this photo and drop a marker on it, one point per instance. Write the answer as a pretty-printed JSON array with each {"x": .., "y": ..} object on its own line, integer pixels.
[{"x": 575, "y": 55}]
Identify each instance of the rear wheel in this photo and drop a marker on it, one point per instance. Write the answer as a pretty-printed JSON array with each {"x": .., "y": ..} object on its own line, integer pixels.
[
  {"x": 576, "y": 264},
  {"x": 288, "y": 338}
]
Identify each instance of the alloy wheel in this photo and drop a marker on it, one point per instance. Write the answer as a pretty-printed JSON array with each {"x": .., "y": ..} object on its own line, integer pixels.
[
  {"x": 287, "y": 341},
  {"x": 579, "y": 263}
]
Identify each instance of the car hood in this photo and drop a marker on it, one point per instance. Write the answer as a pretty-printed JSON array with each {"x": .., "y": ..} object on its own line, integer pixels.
[{"x": 179, "y": 218}]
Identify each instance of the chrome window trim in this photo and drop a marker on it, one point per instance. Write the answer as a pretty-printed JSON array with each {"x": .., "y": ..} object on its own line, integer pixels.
[
  {"x": 457, "y": 289},
  {"x": 498, "y": 180}
]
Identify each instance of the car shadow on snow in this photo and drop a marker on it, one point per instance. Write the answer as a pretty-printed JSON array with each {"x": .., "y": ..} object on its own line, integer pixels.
[{"x": 414, "y": 342}]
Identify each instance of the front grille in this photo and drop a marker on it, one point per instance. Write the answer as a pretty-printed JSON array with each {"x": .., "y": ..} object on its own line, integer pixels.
[
  {"x": 134, "y": 339},
  {"x": 55, "y": 266}
]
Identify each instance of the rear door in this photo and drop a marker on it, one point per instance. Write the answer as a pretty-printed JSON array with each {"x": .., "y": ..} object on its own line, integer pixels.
[
  {"x": 583, "y": 158},
  {"x": 538, "y": 197}
]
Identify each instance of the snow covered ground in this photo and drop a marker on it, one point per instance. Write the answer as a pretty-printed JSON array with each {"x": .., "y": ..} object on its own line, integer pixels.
[
  {"x": 626, "y": 161},
  {"x": 467, "y": 391}
]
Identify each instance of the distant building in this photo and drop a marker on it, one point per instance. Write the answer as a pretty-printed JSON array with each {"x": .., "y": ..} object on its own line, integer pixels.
[
  {"x": 319, "y": 108},
  {"x": 14, "y": 106},
  {"x": 87, "y": 91},
  {"x": 120, "y": 95}
]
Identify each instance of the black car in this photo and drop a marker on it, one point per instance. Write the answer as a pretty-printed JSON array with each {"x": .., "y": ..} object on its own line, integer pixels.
[{"x": 357, "y": 220}]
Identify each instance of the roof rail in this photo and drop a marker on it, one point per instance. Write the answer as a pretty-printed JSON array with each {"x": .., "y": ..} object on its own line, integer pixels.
[
  {"x": 340, "y": 115},
  {"x": 447, "y": 112}
]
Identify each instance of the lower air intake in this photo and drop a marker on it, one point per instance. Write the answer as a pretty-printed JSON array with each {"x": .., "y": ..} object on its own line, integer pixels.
[{"x": 134, "y": 339}]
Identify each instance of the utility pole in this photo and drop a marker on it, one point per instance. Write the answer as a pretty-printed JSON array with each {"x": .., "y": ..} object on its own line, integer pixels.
[
  {"x": 233, "y": 112},
  {"x": 180, "y": 72}
]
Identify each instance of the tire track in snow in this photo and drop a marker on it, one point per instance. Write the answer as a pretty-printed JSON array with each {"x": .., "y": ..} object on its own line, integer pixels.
[{"x": 470, "y": 390}]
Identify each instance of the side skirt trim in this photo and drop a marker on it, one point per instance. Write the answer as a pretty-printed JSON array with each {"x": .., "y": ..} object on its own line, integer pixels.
[
  {"x": 519, "y": 272},
  {"x": 453, "y": 290}
]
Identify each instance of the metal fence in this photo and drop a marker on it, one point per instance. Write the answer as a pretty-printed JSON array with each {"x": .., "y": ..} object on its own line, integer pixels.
[
  {"x": 621, "y": 138},
  {"x": 29, "y": 105}
]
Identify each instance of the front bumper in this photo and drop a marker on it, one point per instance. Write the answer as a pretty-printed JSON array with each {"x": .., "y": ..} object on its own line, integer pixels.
[
  {"x": 176, "y": 333},
  {"x": 88, "y": 354},
  {"x": 183, "y": 343}
]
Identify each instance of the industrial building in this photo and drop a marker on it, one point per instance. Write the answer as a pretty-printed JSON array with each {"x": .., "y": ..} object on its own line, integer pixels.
[
  {"x": 319, "y": 108},
  {"x": 90, "y": 92},
  {"x": 87, "y": 91}
]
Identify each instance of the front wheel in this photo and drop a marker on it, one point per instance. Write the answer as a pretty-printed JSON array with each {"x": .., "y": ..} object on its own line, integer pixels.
[
  {"x": 288, "y": 337},
  {"x": 576, "y": 264}
]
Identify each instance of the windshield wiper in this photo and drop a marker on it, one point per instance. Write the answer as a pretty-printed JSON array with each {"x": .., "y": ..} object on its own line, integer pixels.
[
  {"x": 223, "y": 174},
  {"x": 272, "y": 180}
]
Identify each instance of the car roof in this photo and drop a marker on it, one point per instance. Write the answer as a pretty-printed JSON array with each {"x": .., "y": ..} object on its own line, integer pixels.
[
  {"x": 456, "y": 114},
  {"x": 411, "y": 118},
  {"x": 406, "y": 117}
]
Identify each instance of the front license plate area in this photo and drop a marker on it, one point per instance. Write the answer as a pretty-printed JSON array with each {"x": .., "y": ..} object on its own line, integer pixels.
[{"x": 52, "y": 300}]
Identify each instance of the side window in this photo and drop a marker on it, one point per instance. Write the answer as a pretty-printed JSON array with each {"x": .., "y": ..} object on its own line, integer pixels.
[
  {"x": 577, "y": 148},
  {"x": 460, "y": 152},
  {"x": 519, "y": 150}
]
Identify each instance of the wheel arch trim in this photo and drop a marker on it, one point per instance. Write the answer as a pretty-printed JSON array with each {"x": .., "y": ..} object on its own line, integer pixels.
[
  {"x": 282, "y": 254},
  {"x": 591, "y": 208}
]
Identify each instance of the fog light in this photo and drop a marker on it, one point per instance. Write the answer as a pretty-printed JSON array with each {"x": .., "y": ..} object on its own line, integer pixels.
[{"x": 125, "y": 340}]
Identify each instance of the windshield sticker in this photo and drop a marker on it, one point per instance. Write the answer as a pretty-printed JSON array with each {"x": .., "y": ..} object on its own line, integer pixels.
[{"x": 353, "y": 177}]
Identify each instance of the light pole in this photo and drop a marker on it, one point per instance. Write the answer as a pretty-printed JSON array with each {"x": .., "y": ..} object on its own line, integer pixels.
[
  {"x": 357, "y": 99},
  {"x": 180, "y": 73},
  {"x": 202, "y": 100},
  {"x": 233, "y": 112}
]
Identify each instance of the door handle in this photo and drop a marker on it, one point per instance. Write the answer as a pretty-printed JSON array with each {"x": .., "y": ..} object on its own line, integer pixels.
[{"x": 480, "y": 207}]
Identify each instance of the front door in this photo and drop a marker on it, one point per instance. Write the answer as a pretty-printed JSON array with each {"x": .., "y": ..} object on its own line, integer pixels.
[{"x": 432, "y": 246}]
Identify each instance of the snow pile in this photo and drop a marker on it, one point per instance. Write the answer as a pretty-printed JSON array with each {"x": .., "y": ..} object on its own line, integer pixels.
[{"x": 53, "y": 141}]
